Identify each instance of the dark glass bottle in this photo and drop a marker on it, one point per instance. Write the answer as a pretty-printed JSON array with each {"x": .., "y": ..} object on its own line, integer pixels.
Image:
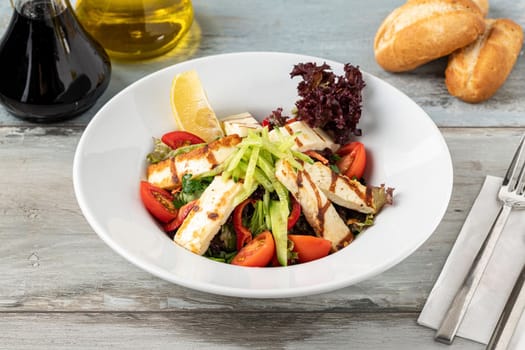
[{"x": 51, "y": 69}]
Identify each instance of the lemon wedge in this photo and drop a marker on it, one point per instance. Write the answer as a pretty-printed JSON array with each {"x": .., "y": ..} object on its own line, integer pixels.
[{"x": 191, "y": 108}]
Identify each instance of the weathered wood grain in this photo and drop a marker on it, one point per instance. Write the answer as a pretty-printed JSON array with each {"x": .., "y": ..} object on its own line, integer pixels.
[
  {"x": 51, "y": 260},
  {"x": 218, "y": 330},
  {"x": 339, "y": 30},
  {"x": 61, "y": 287}
]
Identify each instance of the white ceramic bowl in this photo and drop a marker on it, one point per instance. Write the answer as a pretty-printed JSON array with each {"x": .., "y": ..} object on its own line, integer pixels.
[{"x": 405, "y": 150}]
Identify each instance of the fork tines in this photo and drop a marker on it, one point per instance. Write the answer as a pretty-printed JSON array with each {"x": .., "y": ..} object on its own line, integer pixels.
[{"x": 512, "y": 181}]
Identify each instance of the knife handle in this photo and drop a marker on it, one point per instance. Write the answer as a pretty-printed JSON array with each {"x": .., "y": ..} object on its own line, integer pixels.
[
  {"x": 510, "y": 316},
  {"x": 454, "y": 316}
]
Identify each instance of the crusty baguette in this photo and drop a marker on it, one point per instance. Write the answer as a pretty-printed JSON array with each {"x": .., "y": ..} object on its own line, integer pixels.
[
  {"x": 476, "y": 72},
  {"x": 422, "y": 30}
]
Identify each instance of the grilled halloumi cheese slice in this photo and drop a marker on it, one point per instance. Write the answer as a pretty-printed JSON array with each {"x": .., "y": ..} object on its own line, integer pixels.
[
  {"x": 317, "y": 209},
  {"x": 161, "y": 174},
  {"x": 346, "y": 192},
  {"x": 306, "y": 138},
  {"x": 210, "y": 212},
  {"x": 168, "y": 173},
  {"x": 240, "y": 124},
  {"x": 206, "y": 158}
]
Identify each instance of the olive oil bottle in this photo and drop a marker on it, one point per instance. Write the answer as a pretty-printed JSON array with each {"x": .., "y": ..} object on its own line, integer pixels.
[{"x": 136, "y": 29}]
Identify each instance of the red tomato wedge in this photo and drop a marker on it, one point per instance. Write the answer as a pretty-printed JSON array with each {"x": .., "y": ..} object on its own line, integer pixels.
[
  {"x": 257, "y": 253},
  {"x": 243, "y": 234},
  {"x": 353, "y": 159},
  {"x": 294, "y": 214},
  {"x": 310, "y": 248},
  {"x": 181, "y": 215},
  {"x": 158, "y": 202},
  {"x": 178, "y": 138}
]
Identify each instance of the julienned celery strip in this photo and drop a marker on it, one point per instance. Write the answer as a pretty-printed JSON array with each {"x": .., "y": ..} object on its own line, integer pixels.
[
  {"x": 264, "y": 141},
  {"x": 282, "y": 148},
  {"x": 244, "y": 194},
  {"x": 250, "y": 170},
  {"x": 259, "y": 152},
  {"x": 266, "y": 209},
  {"x": 279, "y": 216},
  {"x": 282, "y": 193},
  {"x": 274, "y": 150},
  {"x": 286, "y": 141},
  {"x": 267, "y": 168},
  {"x": 259, "y": 177},
  {"x": 237, "y": 157},
  {"x": 302, "y": 156},
  {"x": 254, "y": 164},
  {"x": 265, "y": 155},
  {"x": 237, "y": 174}
]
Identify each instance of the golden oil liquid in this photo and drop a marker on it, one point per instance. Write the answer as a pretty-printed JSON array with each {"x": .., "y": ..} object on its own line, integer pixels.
[{"x": 136, "y": 29}]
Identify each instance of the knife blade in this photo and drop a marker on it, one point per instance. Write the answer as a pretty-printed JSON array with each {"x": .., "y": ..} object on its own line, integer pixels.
[{"x": 510, "y": 316}]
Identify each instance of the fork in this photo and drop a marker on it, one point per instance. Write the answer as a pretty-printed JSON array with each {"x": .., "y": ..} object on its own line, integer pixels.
[{"x": 511, "y": 195}]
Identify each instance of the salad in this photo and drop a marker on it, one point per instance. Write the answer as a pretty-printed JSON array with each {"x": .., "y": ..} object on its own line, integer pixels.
[{"x": 284, "y": 191}]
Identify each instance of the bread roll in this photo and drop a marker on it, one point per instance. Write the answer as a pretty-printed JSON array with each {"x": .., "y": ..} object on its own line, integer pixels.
[
  {"x": 483, "y": 6},
  {"x": 422, "y": 30},
  {"x": 476, "y": 72}
]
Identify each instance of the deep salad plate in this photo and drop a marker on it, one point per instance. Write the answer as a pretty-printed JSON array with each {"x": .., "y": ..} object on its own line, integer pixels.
[{"x": 405, "y": 150}]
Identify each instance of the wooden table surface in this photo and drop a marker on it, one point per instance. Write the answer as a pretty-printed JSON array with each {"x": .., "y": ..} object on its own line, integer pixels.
[{"x": 61, "y": 287}]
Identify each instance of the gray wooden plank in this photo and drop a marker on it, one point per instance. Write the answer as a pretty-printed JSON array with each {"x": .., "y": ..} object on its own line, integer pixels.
[
  {"x": 338, "y": 30},
  {"x": 51, "y": 260},
  {"x": 217, "y": 330},
  {"x": 62, "y": 287}
]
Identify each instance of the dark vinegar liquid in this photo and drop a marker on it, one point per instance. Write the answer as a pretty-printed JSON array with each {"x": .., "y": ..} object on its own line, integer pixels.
[{"x": 50, "y": 68}]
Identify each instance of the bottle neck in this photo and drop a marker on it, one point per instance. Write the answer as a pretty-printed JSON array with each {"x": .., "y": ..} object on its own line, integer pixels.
[{"x": 40, "y": 8}]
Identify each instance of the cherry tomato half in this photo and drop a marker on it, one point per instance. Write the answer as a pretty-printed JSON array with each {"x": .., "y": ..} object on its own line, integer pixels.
[
  {"x": 178, "y": 138},
  {"x": 181, "y": 215},
  {"x": 310, "y": 248},
  {"x": 353, "y": 159},
  {"x": 158, "y": 202},
  {"x": 257, "y": 253}
]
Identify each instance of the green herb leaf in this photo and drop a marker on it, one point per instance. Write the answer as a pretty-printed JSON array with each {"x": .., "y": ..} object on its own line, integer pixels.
[
  {"x": 359, "y": 226},
  {"x": 257, "y": 222},
  {"x": 335, "y": 169},
  {"x": 191, "y": 189}
]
